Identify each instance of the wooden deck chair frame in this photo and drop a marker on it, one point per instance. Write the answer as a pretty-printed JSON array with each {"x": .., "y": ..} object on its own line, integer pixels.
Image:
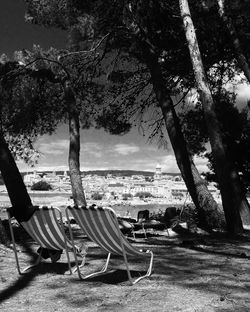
[
  {"x": 41, "y": 227},
  {"x": 88, "y": 219}
]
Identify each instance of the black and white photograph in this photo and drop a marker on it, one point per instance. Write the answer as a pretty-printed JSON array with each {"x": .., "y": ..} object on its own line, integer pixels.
[{"x": 125, "y": 155}]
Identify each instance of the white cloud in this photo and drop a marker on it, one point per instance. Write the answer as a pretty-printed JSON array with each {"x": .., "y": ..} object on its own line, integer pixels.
[
  {"x": 24, "y": 168},
  {"x": 168, "y": 164},
  {"x": 92, "y": 148},
  {"x": 126, "y": 149},
  {"x": 243, "y": 95},
  {"x": 51, "y": 168},
  {"x": 57, "y": 147},
  {"x": 243, "y": 90},
  {"x": 201, "y": 164}
]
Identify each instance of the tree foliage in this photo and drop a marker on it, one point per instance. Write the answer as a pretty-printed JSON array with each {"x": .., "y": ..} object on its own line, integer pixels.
[
  {"x": 30, "y": 107},
  {"x": 160, "y": 24},
  {"x": 157, "y": 25},
  {"x": 235, "y": 129}
]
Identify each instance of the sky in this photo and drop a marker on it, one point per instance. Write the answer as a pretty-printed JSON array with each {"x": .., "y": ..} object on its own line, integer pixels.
[{"x": 99, "y": 150}]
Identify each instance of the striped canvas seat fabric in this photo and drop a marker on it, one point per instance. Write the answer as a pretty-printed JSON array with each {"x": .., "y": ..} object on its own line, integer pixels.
[
  {"x": 101, "y": 226},
  {"x": 45, "y": 229}
]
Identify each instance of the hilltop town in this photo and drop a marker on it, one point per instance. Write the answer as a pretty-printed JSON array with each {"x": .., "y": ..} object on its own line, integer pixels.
[{"x": 118, "y": 187}]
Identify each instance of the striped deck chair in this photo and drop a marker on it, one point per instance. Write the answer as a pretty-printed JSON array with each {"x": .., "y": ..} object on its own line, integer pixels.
[
  {"x": 45, "y": 226},
  {"x": 101, "y": 226}
]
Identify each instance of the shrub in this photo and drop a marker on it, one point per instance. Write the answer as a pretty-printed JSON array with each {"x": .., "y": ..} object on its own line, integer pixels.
[
  {"x": 41, "y": 186},
  {"x": 97, "y": 196},
  {"x": 143, "y": 195},
  {"x": 126, "y": 196}
]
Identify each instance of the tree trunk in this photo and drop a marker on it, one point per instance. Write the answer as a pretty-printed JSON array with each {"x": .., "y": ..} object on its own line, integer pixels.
[
  {"x": 241, "y": 59},
  {"x": 4, "y": 239},
  {"x": 74, "y": 130},
  {"x": 21, "y": 203},
  {"x": 228, "y": 178},
  {"x": 74, "y": 148},
  {"x": 202, "y": 198},
  {"x": 22, "y": 207},
  {"x": 244, "y": 65}
]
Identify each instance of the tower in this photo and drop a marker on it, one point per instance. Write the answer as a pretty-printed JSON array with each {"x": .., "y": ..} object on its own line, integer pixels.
[{"x": 158, "y": 173}]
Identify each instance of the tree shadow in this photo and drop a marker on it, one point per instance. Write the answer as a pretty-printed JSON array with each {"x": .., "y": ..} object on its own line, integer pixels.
[
  {"x": 24, "y": 279},
  {"x": 210, "y": 271},
  {"x": 25, "y": 243},
  {"x": 113, "y": 277},
  {"x": 206, "y": 270},
  {"x": 242, "y": 254}
]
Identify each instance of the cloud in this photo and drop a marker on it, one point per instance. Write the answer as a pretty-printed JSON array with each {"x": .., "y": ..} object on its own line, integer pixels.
[
  {"x": 168, "y": 164},
  {"x": 92, "y": 148},
  {"x": 243, "y": 90},
  {"x": 201, "y": 164},
  {"x": 25, "y": 168},
  {"x": 57, "y": 147},
  {"x": 126, "y": 149},
  {"x": 51, "y": 168},
  {"x": 243, "y": 95}
]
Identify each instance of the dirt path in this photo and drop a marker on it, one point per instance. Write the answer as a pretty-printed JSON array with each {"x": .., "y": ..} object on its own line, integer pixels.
[{"x": 189, "y": 275}]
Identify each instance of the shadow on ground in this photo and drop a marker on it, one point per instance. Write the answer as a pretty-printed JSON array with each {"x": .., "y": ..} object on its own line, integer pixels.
[{"x": 191, "y": 273}]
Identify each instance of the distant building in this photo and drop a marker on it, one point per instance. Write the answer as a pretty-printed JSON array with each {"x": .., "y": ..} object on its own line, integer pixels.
[
  {"x": 158, "y": 173},
  {"x": 31, "y": 178},
  {"x": 117, "y": 188}
]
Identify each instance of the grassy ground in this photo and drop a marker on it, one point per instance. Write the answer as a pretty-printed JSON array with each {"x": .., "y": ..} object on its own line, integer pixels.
[{"x": 191, "y": 273}]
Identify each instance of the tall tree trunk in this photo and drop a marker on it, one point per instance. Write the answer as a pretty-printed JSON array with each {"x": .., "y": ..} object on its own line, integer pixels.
[
  {"x": 19, "y": 197},
  {"x": 4, "y": 239},
  {"x": 228, "y": 178},
  {"x": 22, "y": 207},
  {"x": 74, "y": 131},
  {"x": 241, "y": 59},
  {"x": 202, "y": 198},
  {"x": 74, "y": 147},
  {"x": 244, "y": 65}
]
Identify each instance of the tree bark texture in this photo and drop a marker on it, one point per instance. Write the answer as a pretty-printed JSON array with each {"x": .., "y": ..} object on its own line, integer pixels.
[
  {"x": 74, "y": 148},
  {"x": 74, "y": 131},
  {"x": 21, "y": 203},
  {"x": 228, "y": 178},
  {"x": 4, "y": 239},
  {"x": 202, "y": 198},
  {"x": 241, "y": 59}
]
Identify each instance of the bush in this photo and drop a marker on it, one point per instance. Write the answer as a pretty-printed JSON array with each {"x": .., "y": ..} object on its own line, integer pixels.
[
  {"x": 41, "y": 186},
  {"x": 143, "y": 195},
  {"x": 97, "y": 196},
  {"x": 126, "y": 196},
  {"x": 215, "y": 220}
]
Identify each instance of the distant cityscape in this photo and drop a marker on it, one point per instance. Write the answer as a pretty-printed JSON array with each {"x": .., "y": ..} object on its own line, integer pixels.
[{"x": 121, "y": 185}]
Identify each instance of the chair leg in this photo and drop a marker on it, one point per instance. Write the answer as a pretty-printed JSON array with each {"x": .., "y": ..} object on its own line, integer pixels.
[
  {"x": 144, "y": 231},
  {"x": 149, "y": 271},
  {"x": 75, "y": 251},
  {"x": 77, "y": 266},
  {"x": 38, "y": 260},
  {"x": 127, "y": 267},
  {"x": 103, "y": 270}
]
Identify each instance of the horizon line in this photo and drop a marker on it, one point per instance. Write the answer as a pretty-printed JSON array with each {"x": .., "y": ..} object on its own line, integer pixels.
[{"x": 87, "y": 170}]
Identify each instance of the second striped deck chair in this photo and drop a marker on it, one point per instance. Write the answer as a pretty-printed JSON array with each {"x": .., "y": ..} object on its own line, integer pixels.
[
  {"x": 101, "y": 226},
  {"x": 46, "y": 228}
]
